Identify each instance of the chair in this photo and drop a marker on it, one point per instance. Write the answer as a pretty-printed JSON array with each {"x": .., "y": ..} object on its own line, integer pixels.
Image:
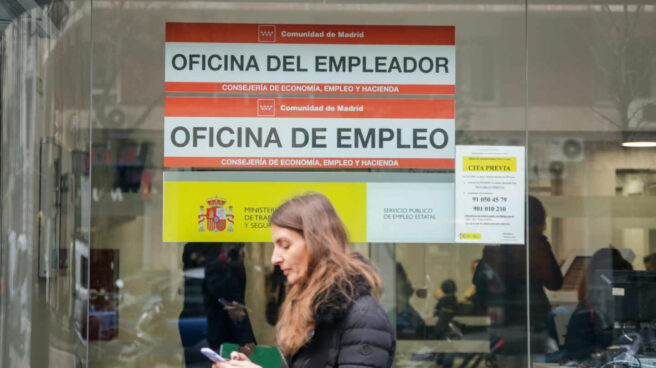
[{"x": 445, "y": 328}]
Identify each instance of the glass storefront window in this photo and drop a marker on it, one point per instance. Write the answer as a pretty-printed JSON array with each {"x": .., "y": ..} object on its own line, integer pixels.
[
  {"x": 595, "y": 187},
  {"x": 45, "y": 171}
]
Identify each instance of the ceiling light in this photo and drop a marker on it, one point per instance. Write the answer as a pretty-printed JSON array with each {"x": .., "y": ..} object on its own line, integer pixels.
[{"x": 639, "y": 139}]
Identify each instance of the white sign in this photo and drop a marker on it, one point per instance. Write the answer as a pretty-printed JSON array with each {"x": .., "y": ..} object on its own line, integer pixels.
[
  {"x": 272, "y": 63},
  {"x": 301, "y": 58},
  {"x": 312, "y": 133},
  {"x": 490, "y": 194},
  {"x": 410, "y": 212}
]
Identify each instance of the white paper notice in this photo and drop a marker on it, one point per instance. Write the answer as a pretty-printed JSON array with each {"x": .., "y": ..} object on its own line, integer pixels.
[{"x": 490, "y": 194}]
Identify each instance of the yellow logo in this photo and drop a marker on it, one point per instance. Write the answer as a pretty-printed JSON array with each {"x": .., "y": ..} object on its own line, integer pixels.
[{"x": 476, "y": 236}]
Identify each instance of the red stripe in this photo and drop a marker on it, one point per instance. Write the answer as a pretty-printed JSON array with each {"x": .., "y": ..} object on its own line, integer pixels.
[
  {"x": 264, "y": 107},
  {"x": 403, "y": 163},
  {"x": 323, "y": 88},
  {"x": 250, "y": 33}
]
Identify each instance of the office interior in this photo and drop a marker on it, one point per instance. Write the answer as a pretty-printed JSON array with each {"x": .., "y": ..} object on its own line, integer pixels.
[{"x": 85, "y": 279}]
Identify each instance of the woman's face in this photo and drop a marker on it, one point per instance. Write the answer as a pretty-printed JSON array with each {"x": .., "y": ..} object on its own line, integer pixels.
[{"x": 290, "y": 253}]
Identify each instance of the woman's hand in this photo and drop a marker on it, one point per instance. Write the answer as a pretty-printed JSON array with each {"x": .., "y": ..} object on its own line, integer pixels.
[
  {"x": 237, "y": 360},
  {"x": 235, "y": 311}
]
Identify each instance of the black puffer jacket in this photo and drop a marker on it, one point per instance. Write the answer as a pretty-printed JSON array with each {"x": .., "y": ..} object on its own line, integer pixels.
[{"x": 349, "y": 334}]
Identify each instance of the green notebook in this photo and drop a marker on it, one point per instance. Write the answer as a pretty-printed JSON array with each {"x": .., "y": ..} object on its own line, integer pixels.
[{"x": 265, "y": 356}]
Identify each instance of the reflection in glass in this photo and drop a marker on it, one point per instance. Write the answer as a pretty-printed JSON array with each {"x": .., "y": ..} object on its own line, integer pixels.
[
  {"x": 214, "y": 310},
  {"x": 500, "y": 280}
]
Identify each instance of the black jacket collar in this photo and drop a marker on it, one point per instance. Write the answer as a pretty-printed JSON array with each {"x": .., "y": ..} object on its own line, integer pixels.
[{"x": 337, "y": 304}]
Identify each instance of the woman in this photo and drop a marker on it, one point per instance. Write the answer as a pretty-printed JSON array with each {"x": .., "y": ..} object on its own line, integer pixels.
[
  {"x": 502, "y": 291},
  {"x": 330, "y": 316}
]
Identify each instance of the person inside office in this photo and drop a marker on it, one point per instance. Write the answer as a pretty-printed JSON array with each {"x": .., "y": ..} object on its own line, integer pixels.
[{"x": 500, "y": 280}]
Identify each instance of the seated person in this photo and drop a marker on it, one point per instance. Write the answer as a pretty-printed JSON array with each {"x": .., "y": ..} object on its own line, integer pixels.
[
  {"x": 449, "y": 299},
  {"x": 591, "y": 326},
  {"x": 469, "y": 296},
  {"x": 409, "y": 324},
  {"x": 446, "y": 308}
]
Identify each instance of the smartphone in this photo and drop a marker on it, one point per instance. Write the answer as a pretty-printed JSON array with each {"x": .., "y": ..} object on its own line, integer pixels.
[
  {"x": 226, "y": 303},
  {"x": 212, "y": 355}
]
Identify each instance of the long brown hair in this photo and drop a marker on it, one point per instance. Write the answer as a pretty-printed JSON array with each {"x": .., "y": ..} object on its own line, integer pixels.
[{"x": 332, "y": 266}]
